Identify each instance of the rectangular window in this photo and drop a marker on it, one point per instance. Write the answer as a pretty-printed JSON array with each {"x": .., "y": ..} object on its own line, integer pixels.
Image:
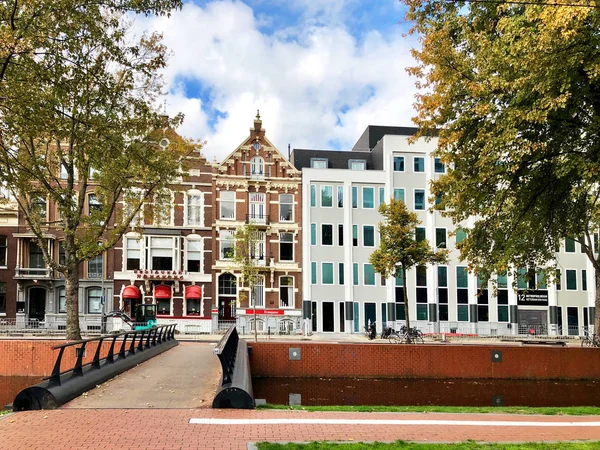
[
  {"x": 462, "y": 312},
  {"x": 286, "y": 208},
  {"x": 443, "y": 312},
  {"x": 313, "y": 234},
  {"x": 571, "y": 280},
  {"x": 354, "y": 196},
  {"x": 194, "y": 209},
  {"x": 400, "y": 279},
  {"x": 313, "y": 272},
  {"x": 326, "y": 234},
  {"x": 326, "y": 196},
  {"x": 257, "y": 250},
  {"x": 368, "y": 197},
  {"x": 460, "y": 235},
  {"x": 341, "y": 273},
  {"x": 569, "y": 245},
  {"x": 340, "y": 196},
  {"x": 194, "y": 255},
  {"x": 286, "y": 246},
  {"x": 2, "y": 298},
  {"x": 355, "y": 235},
  {"x": 502, "y": 281},
  {"x": 3, "y": 249},
  {"x": 419, "y": 234},
  {"x": 419, "y": 164},
  {"x": 227, "y": 240},
  {"x": 399, "y": 195},
  {"x": 368, "y": 236},
  {"x": 439, "y": 167},
  {"x": 162, "y": 207},
  {"x": 422, "y": 312},
  {"x": 133, "y": 253},
  {"x": 313, "y": 195},
  {"x": 258, "y": 294},
  {"x": 94, "y": 204},
  {"x": 440, "y": 238},
  {"x": 583, "y": 280},
  {"x": 340, "y": 235},
  {"x": 442, "y": 273},
  {"x": 227, "y": 204},
  {"x": 94, "y": 269},
  {"x": 421, "y": 276},
  {"x": 381, "y": 195},
  {"x": 558, "y": 280},
  {"x": 369, "y": 275},
  {"x": 327, "y": 273},
  {"x": 39, "y": 206},
  {"x": 419, "y": 199},
  {"x": 318, "y": 163},
  {"x": 522, "y": 279},
  {"x": 502, "y": 313},
  {"x": 398, "y": 163},
  {"x": 462, "y": 279},
  {"x": 357, "y": 164},
  {"x": 541, "y": 280},
  {"x": 161, "y": 253},
  {"x": 62, "y": 300},
  {"x": 94, "y": 300},
  {"x": 355, "y": 274},
  {"x": 257, "y": 211},
  {"x": 286, "y": 292}
]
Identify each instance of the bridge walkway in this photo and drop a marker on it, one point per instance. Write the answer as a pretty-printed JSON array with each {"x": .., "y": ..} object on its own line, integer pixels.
[{"x": 183, "y": 377}]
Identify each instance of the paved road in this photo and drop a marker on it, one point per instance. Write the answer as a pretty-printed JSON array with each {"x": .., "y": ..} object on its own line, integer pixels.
[
  {"x": 234, "y": 429},
  {"x": 183, "y": 377}
]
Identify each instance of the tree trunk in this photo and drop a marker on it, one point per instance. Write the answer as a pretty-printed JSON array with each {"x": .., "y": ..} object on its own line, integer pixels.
[
  {"x": 406, "y": 314},
  {"x": 597, "y": 303},
  {"x": 72, "y": 297}
]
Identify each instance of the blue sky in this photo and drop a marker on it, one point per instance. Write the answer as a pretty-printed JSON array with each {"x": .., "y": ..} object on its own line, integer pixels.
[{"x": 320, "y": 71}]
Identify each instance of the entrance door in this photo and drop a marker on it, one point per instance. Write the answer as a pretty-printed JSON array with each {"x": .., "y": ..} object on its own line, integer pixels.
[
  {"x": 533, "y": 322},
  {"x": 37, "y": 303},
  {"x": 342, "y": 318},
  {"x": 328, "y": 316},
  {"x": 225, "y": 308},
  {"x": 370, "y": 313}
]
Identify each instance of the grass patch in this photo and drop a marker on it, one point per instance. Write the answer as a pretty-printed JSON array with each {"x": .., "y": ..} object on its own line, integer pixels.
[
  {"x": 547, "y": 411},
  {"x": 4, "y": 411},
  {"x": 401, "y": 445}
]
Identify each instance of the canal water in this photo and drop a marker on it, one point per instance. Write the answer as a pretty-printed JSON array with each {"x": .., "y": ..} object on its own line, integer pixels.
[
  {"x": 396, "y": 392},
  {"x": 11, "y": 386}
]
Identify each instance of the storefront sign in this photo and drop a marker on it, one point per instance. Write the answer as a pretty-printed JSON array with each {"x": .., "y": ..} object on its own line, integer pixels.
[
  {"x": 266, "y": 312},
  {"x": 532, "y": 298},
  {"x": 147, "y": 274}
]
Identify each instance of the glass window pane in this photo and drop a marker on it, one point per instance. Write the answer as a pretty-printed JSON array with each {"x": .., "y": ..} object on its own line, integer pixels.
[
  {"x": 460, "y": 235},
  {"x": 326, "y": 234},
  {"x": 368, "y": 197},
  {"x": 340, "y": 196},
  {"x": 421, "y": 276},
  {"x": 522, "y": 278},
  {"x": 463, "y": 313},
  {"x": 313, "y": 234},
  {"x": 571, "y": 280},
  {"x": 341, "y": 273},
  {"x": 326, "y": 196},
  {"x": 502, "y": 313},
  {"x": 569, "y": 245},
  {"x": 398, "y": 163},
  {"x": 313, "y": 195},
  {"x": 355, "y": 274},
  {"x": 439, "y": 166},
  {"x": 502, "y": 281},
  {"x": 462, "y": 280},
  {"x": 354, "y": 196},
  {"x": 94, "y": 300},
  {"x": 327, "y": 273},
  {"x": 399, "y": 195},
  {"x": 419, "y": 234},
  {"x": 313, "y": 272},
  {"x": 419, "y": 164},
  {"x": 440, "y": 238},
  {"x": 369, "y": 236},
  {"x": 442, "y": 276},
  {"x": 419, "y": 199},
  {"x": 369, "y": 275}
]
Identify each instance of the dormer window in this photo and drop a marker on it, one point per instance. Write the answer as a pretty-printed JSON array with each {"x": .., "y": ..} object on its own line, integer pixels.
[
  {"x": 357, "y": 164},
  {"x": 257, "y": 166},
  {"x": 319, "y": 163}
]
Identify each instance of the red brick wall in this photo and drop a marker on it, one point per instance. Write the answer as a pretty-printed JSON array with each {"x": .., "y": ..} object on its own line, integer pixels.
[
  {"x": 36, "y": 357},
  {"x": 422, "y": 361}
]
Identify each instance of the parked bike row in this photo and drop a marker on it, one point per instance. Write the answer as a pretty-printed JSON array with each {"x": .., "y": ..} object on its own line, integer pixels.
[{"x": 403, "y": 335}]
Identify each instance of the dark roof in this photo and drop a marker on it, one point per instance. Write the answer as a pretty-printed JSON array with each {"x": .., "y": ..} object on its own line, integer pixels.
[
  {"x": 336, "y": 159},
  {"x": 373, "y": 134}
]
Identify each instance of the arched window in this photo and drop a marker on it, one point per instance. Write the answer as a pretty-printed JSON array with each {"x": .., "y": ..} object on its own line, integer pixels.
[{"x": 257, "y": 166}]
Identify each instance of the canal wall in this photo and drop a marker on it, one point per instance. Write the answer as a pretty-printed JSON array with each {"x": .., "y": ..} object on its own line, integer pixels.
[
  {"x": 333, "y": 360},
  {"x": 35, "y": 357}
]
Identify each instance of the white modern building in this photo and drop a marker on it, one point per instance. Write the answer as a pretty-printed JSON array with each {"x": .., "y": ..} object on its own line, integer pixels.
[{"x": 341, "y": 193}]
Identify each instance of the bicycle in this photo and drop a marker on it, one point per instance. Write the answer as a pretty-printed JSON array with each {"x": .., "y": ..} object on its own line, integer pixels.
[
  {"x": 412, "y": 335},
  {"x": 391, "y": 335},
  {"x": 594, "y": 341}
]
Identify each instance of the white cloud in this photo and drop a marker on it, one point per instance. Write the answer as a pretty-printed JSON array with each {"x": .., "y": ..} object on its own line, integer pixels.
[{"x": 313, "y": 84}]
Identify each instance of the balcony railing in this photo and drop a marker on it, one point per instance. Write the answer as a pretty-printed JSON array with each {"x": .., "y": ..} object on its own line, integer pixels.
[
  {"x": 262, "y": 219},
  {"x": 30, "y": 272}
]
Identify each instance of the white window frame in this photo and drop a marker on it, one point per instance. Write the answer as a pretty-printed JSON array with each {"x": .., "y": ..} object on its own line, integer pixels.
[
  {"x": 162, "y": 251},
  {"x": 374, "y": 236},
  {"x": 290, "y": 290},
  {"x": 319, "y": 163},
  {"x": 324, "y": 186},
  {"x": 194, "y": 208},
  {"x": 258, "y": 291},
  {"x": 393, "y": 165},
  {"x": 284, "y": 242},
  {"x": 127, "y": 250},
  {"x": 258, "y": 253},
  {"x": 226, "y": 236},
  {"x": 323, "y": 263},
  {"x": 60, "y": 310},
  {"x": 257, "y": 209},
  {"x": 157, "y": 218},
  {"x": 291, "y": 204},
  {"x": 196, "y": 240},
  {"x": 414, "y": 160},
  {"x": 567, "y": 282},
  {"x": 435, "y": 161},
  {"x": 357, "y": 164},
  {"x": 138, "y": 218},
  {"x": 257, "y": 167},
  {"x": 364, "y": 188},
  {"x": 404, "y": 194},
  {"x": 415, "y": 199},
  {"x": 364, "y": 278},
  {"x": 332, "y": 235},
  {"x": 87, "y": 299},
  {"x": 223, "y": 201}
]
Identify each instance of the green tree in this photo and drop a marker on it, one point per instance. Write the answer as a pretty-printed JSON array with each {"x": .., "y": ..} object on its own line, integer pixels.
[
  {"x": 79, "y": 115},
  {"x": 514, "y": 90},
  {"x": 247, "y": 241},
  {"x": 399, "y": 250}
]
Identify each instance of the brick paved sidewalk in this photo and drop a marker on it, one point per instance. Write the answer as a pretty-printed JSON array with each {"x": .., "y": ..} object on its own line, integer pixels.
[{"x": 137, "y": 429}]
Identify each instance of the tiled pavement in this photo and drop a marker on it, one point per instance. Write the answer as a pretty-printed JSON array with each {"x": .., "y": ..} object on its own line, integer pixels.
[{"x": 137, "y": 429}]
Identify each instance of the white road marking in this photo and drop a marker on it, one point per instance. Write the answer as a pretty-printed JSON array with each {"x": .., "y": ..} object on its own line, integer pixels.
[{"x": 477, "y": 423}]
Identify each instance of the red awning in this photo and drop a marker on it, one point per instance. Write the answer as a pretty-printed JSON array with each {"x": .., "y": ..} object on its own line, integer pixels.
[
  {"x": 131, "y": 292},
  {"x": 162, "y": 291},
  {"x": 193, "y": 292}
]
